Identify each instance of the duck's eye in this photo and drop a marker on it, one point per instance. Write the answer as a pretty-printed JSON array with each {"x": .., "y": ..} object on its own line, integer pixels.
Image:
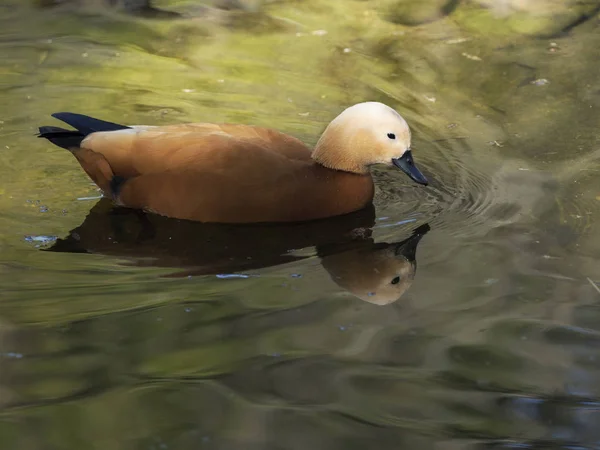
[
  {"x": 391, "y": 135},
  {"x": 396, "y": 280}
]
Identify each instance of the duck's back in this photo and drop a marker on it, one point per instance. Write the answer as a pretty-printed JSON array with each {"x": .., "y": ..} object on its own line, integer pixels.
[
  {"x": 147, "y": 149},
  {"x": 221, "y": 173}
]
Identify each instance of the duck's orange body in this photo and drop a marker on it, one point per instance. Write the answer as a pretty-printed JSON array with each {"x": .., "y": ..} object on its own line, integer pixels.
[
  {"x": 213, "y": 173},
  {"x": 225, "y": 173}
]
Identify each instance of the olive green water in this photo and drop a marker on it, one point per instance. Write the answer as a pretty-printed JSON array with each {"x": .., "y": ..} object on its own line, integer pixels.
[{"x": 148, "y": 333}]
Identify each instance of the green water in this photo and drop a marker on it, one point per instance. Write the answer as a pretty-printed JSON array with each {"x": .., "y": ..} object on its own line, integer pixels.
[{"x": 148, "y": 333}]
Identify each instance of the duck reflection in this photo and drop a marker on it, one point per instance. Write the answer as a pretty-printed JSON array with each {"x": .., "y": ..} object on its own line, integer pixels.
[{"x": 378, "y": 273}]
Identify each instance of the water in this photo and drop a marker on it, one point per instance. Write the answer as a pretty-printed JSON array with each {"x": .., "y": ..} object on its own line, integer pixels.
[{"x": 121, "y": 330}]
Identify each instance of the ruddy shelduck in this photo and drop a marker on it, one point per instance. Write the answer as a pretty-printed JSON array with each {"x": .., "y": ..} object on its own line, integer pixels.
[{"x": 231, "y": 173}]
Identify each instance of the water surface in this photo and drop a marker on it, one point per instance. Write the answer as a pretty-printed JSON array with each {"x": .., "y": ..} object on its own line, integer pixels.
[{"x": 143, "y": 332}]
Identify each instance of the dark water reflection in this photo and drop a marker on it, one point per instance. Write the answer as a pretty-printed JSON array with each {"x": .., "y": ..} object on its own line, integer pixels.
[
  {"x": 136, "y": 331},
  {"x": 375, "y": 272}
]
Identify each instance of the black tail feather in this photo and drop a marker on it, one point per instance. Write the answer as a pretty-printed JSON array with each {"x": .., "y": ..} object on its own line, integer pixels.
[
  {"x": 83, "y": 124},
  {"x": 86, "y": 124},
  {"x": 63, "y": 138}
]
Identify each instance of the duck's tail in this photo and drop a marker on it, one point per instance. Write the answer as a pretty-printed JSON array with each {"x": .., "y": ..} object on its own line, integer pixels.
[{"x": 83, "y": 125}]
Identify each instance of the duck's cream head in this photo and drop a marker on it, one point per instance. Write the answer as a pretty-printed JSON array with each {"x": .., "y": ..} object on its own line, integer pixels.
[{"x": 366, "y": 134}]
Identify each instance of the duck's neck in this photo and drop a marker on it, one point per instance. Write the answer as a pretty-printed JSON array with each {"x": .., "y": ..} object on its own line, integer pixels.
[{"x": 335, "y": 152}]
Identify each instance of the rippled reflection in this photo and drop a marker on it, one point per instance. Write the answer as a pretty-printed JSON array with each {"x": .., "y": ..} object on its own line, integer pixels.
[{"x": 374, "y": 272}]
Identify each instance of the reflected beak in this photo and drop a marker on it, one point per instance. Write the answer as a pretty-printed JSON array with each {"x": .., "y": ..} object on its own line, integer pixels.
[
  {"x": 408, "y": 247},
  {"x": 407, "y": 165}
]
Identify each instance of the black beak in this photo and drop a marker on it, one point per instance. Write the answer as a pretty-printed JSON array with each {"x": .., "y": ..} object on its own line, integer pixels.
[{"x": 407, "y": 165}]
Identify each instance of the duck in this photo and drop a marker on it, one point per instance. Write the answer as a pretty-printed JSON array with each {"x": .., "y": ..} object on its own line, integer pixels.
[{"x": 237, "y": 173}]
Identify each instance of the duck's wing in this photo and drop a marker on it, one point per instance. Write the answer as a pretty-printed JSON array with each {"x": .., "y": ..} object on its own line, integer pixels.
[
  {"x": 143, "y": 149},
  {"x": 197, "y": 171}
]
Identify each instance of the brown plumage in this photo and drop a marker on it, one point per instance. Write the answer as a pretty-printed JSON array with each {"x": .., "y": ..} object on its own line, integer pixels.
[{"x": 240, "y": 173}]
